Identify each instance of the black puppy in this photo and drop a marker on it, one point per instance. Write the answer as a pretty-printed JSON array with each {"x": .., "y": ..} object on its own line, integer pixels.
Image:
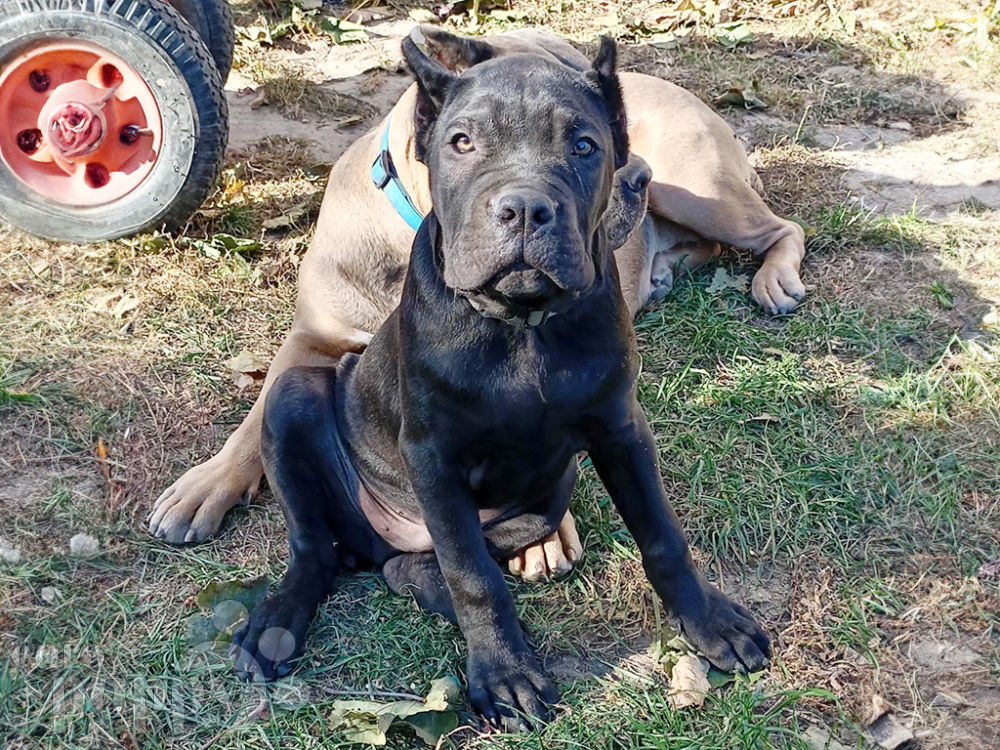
[{"x": 452, "y": 441}]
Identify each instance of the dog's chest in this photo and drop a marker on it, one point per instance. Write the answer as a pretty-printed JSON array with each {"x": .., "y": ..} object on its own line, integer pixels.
[{"x": 524, "y": 427}]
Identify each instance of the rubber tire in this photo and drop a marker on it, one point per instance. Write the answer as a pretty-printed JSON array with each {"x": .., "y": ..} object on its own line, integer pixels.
[
  {"x": 164, "y": 50},
  {"x": 213, "y": 20}
]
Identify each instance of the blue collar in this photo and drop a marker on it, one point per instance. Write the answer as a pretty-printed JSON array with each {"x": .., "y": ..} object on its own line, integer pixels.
[{"x": 385, "y": 178}]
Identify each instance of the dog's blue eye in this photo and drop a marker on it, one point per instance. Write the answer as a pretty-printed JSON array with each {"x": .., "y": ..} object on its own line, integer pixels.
[
  {"x": 462, "y": 143},
  {"x": 584, "y": 147}
]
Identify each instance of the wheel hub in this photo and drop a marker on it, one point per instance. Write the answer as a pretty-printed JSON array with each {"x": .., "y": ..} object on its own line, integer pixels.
[
  {"x": 77, "y": 123},
  {"x": 73, "y": 121}
]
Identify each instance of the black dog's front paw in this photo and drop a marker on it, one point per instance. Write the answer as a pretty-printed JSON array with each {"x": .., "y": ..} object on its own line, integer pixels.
[
  {"x": 273, "y": 637},
  {"x": 511, "y": 692},
  {"x": 725, "y": 632}
]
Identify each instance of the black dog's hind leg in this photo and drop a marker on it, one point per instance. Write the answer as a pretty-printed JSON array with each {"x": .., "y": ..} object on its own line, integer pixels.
[
  {"x": 626, "y": 460},
  {"x": 419, "y": 575},
  {"x": 307, "y": 472}
]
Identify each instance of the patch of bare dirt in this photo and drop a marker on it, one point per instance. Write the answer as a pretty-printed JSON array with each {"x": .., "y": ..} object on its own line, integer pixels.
[{"x": 369, "y": 72}]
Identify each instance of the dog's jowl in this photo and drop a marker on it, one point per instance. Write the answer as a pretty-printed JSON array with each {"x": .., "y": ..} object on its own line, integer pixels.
[{"x": 453, "y": 440}]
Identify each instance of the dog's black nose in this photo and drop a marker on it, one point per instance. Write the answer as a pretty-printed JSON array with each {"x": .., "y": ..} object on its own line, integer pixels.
[{"x": 523, "y": 210}]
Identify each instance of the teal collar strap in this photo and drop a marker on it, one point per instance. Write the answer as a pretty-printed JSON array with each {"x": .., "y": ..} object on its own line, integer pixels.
[{"x": 385, "y": 178}]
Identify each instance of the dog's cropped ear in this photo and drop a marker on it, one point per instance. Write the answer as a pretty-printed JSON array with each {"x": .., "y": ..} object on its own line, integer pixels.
[
  {"x": 433, "y": 82},
  {"x": 456, "y": 53},
  {"x": 605, "y": 74},
  {"x": 627, "y": 203}
]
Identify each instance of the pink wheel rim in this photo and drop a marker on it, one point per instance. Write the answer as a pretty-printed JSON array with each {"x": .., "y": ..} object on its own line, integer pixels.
[{"x": 77, "y": 124}]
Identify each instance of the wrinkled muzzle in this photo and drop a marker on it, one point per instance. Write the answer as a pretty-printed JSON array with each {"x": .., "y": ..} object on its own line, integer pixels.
[{"x": 522, "y": 246}]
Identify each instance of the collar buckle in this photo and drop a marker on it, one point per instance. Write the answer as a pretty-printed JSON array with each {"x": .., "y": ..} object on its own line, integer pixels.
[{"x": 383, "y": 170}]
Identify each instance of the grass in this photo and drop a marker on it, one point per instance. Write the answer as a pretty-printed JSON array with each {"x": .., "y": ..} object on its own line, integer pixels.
[{"x": 835, "y": 469}]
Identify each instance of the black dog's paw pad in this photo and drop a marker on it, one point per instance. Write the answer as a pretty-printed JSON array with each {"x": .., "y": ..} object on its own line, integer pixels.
[
  {"x": 727, "y": 635},
  {"x": 513, "y": 700},
  {"x": 263, "y": 650}
]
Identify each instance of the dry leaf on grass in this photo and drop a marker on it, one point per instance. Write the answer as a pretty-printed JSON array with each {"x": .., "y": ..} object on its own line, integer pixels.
[
  {"x": 722, "y": 281},
  {"x": 117, "y": 302},
  {"x": 886, "y": 730},
  {"x": 688, "y": 682},
  {"x": 746, "y": 97},
  {"x": 989, "y": 571},
  {"x": 367, "y": 721},
  {"x": 226, "y": 606},
  {"x": 247, "y": 369}
]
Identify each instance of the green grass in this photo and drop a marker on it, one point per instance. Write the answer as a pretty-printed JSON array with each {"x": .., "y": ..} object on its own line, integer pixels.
[{"x": 775, "y": 455}]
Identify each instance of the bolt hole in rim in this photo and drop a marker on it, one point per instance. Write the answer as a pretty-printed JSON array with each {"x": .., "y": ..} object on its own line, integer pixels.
[{"x": 77, "y": 123}]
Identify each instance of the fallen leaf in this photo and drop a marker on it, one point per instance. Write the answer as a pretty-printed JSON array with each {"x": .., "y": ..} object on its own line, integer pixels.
[
  {"x": 948, "y": 700},
  {"x": 668, "y": 648},
  {"x": 989, "y": 571},
  {"x": 291, "y": 216},
  {"x": 722, "y": 281},
  {"x": 732, "y": 35},
  {"x": 248, "y": 593},
  {"x": 200, "y": 630},
  {"x": 991, "y": 320},
  {"x": 890, "y": 734},
  {"x": 422, "y": 15},
  {"x": 341, "y": 31},
  {"x": 741, "y": 97},
  {"x": 259, "y": 32},
  {"x": 688, "y": 682},
  {"x": 817, "y": 738},
  {"x": 368, "y": 721},
  {"x": 126, "y": 304},
  {"x": 664, "y": 40},
  {"x": 717, "y": 678},
  {"x": 243, "y": 381},
  {"x": 248, "y": 363},
  {"x": 229, "y": 604},
  {"x": 318, "y": 171},
  {"x": 886, "y": 730},
  {"x": 369, "y": 15},
  {"x": 222, "y": 244}
]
